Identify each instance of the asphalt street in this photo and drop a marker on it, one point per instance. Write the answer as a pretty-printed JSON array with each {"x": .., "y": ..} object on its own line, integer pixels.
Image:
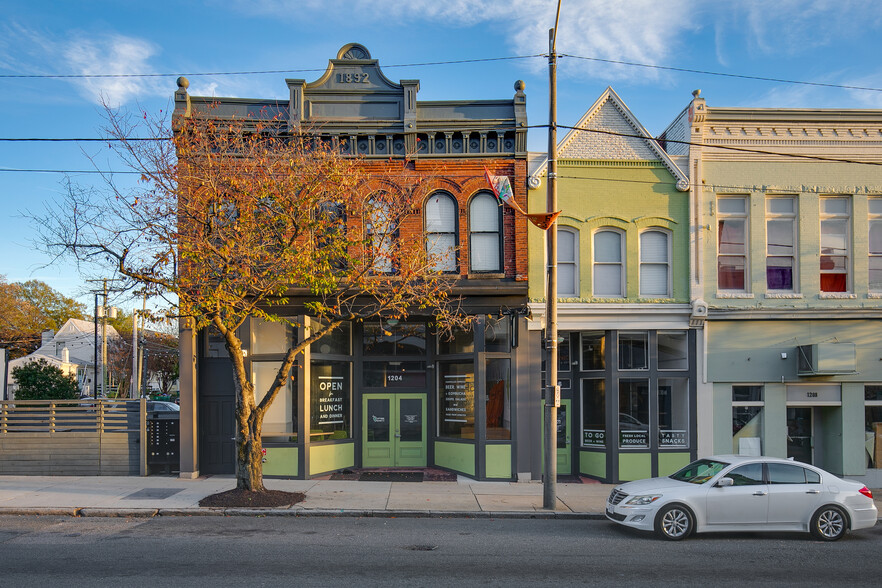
[{"x": 325, "y": 551}]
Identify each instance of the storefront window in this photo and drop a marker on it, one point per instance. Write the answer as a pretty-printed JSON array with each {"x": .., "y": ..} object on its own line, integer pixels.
[
  {"x": 280, "y": 420},
  {"x": 673, "y": 412},
  {"x": 633, "y": 351},
  {"x": 593, "y": 413},
  {"x": 456, "y": 400},
  {"x": 747, "y": 420},
  {"x": 394, "y": 374},
  {"x": 593, "y": 350},
  {"x": 337, "y": 342},
  {"x": 873, "y": 411},
  {"x": 633, "y": 413},
  {"x": 331, "y": 396},
  {"x": 382, "y": 338},
  {"x": 673, "y": 350},
  {"x": 269, "y": 337},
  {"x": 496, "y": 383}
]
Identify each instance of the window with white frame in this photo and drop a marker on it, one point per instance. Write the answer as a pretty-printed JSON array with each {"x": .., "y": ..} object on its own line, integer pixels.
[
  {"x": 747, "y": 419},
  {"x": 655, "y": 264},
  {"x": 609, "y": 270},
  {"x": 732, "y": 243},
  {"x": 441, "y": 232},
  {"x": 780, "y": 243},
  {"x": 835, "y": 244},
  {"x": 875, "y": 241},
  {"x": 567, "y": 262},
  {"x": 485, "y": 236}
]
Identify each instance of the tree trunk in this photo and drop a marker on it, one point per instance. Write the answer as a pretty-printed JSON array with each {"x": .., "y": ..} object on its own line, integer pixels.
[{"x": 249, "y": 454}]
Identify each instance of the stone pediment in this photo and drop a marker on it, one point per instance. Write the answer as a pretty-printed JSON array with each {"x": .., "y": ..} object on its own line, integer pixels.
[{"x": 353, "y": 72}]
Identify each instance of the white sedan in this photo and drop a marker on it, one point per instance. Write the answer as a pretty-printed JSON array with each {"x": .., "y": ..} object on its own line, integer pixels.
[{"x": 740, "y": 493}]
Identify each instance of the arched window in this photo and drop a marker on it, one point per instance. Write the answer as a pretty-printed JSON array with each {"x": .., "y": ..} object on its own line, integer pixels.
[
  {"x": 381, "y": 227},
  {"x": 485, "y": 238},
  {"x": 655, "y": 264},
  {"x": 567, "y": 262},
  {"x": 609, "y": 270},
  {"x": 441, "y": 238}
]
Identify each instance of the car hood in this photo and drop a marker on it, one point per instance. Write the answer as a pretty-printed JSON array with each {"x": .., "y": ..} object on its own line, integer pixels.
[{"x": 651, "y": 485}]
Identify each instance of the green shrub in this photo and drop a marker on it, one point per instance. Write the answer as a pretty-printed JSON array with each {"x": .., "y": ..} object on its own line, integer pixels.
[{"x": 40, "y": 380}]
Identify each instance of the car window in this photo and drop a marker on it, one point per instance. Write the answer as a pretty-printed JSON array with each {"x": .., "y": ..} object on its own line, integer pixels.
[
  {"x": 811, "y": 476},
  {"x": 699, "y": 472},
  {"x": 782, "y": 473},
  {"x": 747, "y": 475}
]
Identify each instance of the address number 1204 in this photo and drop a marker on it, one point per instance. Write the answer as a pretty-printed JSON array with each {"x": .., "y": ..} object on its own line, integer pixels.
[{"x": 353, "y": 78}]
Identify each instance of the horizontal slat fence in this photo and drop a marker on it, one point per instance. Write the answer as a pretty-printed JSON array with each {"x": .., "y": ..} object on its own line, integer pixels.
[{"x": 71, "y": 437}]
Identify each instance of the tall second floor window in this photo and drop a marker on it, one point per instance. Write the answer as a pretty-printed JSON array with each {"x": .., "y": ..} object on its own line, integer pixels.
[
  {"x": 441, "y": 232},
  {"x": 381, "y": 228},
  {"x": 485, "y": 236},
  {"x": 732, "y": 243},
  {"x": 780, "y": 243},
  {"x": 567, "y": 262},
  {"x": 654, "y": 264},
  {"x": 835, "y": 244},
  {"x": 875, "y": 277},
  {"x": 609, "y": 270}
]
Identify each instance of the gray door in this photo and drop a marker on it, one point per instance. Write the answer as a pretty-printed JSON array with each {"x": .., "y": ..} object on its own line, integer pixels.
[{"x": 217, "y": 417}]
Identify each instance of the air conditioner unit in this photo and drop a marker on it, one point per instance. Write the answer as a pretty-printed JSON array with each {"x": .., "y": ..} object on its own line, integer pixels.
[{"x": 826, "y": 359}]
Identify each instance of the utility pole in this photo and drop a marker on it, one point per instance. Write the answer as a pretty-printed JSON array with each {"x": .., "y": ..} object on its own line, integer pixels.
[
  {"x": 552, "y": 390},
  {"x": 104, "y": 343},
  {"x": 95, "y": 349},
  {"x": 134, "y": 387}
]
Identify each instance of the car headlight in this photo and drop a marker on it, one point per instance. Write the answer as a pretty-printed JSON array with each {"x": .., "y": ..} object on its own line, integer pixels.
[{"x": 642, "y": 500}]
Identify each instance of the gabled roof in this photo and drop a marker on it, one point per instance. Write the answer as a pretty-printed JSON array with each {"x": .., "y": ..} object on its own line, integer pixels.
[{"x": 620, "y": 136}]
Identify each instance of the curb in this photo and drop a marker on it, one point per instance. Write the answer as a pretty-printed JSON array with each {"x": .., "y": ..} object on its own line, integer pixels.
[{"x": 294, "y": 512}]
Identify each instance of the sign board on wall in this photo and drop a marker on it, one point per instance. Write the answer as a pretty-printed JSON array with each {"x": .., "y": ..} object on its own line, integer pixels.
[{"x": 814, "y": 395}]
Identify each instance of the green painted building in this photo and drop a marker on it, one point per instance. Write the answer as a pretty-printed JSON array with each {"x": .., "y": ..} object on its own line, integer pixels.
[
  {"x": 786, "y": 256},
  {"x": 628, "y": 357}
]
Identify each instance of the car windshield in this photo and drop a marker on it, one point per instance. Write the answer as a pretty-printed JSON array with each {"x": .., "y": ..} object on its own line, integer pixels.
[{"x": 699, "y": 472}]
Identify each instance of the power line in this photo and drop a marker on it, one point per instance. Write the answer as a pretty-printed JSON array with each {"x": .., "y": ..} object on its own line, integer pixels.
[
  {"x": 255, "y": 72},
  {"x": 721, "y": 74}
]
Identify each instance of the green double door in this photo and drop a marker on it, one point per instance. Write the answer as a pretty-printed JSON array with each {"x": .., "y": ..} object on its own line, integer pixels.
[{"x": 394, "y": 430}]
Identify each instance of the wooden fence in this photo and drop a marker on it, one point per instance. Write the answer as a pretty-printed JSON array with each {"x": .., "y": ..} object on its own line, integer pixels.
[{"x": 73, "y": 437}]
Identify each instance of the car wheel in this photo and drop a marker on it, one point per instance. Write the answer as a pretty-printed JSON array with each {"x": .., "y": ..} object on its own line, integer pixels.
[
  {"x": 674, "y": 522},
  {"x": 829, "y": 523}
]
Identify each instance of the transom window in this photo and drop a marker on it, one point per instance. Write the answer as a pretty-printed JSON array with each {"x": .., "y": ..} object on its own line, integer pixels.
[
  {"x": 609, "y": 274},
  {"x": 441, "y": 232},
  {"x": 654, "y": 263},
  {"x": 485, "y": 237},
  {"x": 835, "y": 244},
  {"x": 780, "y": 243},
  {"x": 732, "y": 243}
]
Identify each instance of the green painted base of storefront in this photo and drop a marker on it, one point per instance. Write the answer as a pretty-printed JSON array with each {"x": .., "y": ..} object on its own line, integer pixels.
[
  {"x": 668, "y": 463},
  {"x": 281, "y": 461},
  {"x": 331, "y": 457},
  {"x": 498, "y": 461},
  {"x": 593, "y": 463},
  {"x": 634, "y": 466},
  {"x": 459, "y": 457}
]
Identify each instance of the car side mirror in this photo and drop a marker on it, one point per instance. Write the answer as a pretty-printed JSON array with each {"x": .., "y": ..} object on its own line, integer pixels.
[{"x": 723, "y": 482}]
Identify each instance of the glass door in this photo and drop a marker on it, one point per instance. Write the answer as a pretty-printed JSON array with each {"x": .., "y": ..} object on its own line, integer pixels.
[
  {"x": 394, "y": 430},
  {"x": 800, "y": 444},
  {"x": 564, "y": 447}
]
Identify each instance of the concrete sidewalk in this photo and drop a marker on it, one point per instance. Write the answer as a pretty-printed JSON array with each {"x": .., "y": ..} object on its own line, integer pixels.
[{"x": 170, "y": 496}]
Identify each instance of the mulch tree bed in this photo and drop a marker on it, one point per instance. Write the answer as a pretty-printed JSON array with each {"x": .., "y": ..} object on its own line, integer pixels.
[{"x": 243, "y": 498}]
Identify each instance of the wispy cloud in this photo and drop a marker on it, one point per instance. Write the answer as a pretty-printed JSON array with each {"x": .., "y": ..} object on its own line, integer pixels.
[
  {"x": 39, "y": 52},
  {"x": 645, "y": 31}
]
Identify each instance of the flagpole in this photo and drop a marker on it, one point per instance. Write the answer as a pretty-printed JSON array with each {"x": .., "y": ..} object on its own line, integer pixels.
[{"x": 552, "y": 390}]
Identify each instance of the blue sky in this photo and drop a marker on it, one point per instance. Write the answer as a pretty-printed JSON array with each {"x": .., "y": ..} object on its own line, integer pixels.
[{"x": 827, "y": 41}]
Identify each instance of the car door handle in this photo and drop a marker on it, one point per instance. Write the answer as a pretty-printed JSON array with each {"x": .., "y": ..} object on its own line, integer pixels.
[
  {"x": 759, "y": 493},
  {"x": 812, "y": 491}
]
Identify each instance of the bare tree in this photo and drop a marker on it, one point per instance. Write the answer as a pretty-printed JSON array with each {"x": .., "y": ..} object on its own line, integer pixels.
[{"x": 233, "y": 218}]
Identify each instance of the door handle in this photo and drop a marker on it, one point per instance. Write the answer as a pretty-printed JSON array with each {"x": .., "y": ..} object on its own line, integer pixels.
[
  {"x": 398, "y": 435},
  {"x": 759, "y": 493},
  {"x": 812, "y": 491}
]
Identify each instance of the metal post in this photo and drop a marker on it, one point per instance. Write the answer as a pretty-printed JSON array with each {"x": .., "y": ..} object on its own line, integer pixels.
[
  {"x": 104, "y": 342},
  {"x": 95, "y": 370},
  {"x": 134, "y": 383},
  {"x": 552, "y": 392}
]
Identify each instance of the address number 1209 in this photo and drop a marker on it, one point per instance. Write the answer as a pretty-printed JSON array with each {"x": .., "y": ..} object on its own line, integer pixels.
[{"x": 353, "y": 78}]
